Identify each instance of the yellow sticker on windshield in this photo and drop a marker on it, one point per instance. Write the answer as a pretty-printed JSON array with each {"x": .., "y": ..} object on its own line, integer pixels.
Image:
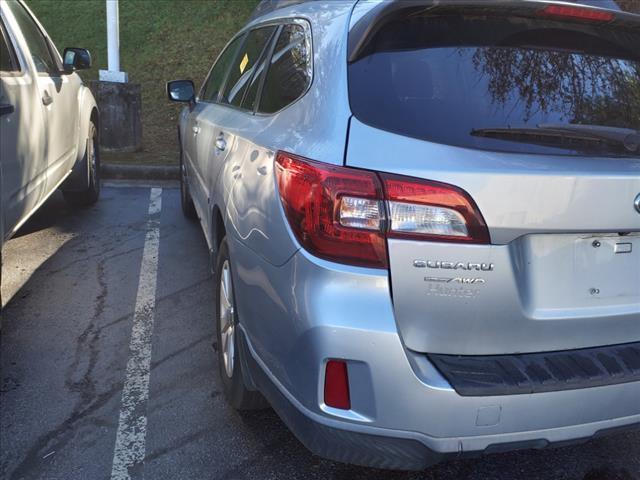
[{"x": 243, "y": 63}]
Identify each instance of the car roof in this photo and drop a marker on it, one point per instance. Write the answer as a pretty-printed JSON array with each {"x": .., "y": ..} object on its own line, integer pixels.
[{"x": 265, "y": 7}]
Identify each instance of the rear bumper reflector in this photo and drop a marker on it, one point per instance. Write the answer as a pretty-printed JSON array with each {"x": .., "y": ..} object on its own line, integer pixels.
[{"x": 526, "y": 373}]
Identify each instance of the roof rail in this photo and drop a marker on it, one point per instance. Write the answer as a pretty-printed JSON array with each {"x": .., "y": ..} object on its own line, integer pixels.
[{"x": 267, "y": 6}]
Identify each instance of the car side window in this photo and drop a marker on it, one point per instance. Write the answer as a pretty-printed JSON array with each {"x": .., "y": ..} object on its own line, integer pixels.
[
  {"x": 8, "y": 61},
  {"x": 245, "y": 63},
  {"x": 214, "y": 82},
  {"x": 36, "y": 41},
  {"x": 249, "y": 100},
  {"x": 290, "y": 70}
]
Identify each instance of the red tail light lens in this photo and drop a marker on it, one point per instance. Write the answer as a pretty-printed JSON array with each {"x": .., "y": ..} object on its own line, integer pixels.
[
  {"x": 345, "y": 214},
  {"x": 336, "y": 385},
  {"x": 576, "y": 13},
  {"x": 314, "y": 196}
]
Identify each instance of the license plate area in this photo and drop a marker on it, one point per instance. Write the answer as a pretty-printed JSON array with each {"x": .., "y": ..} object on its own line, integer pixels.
[{"x": 607, "y": 267}]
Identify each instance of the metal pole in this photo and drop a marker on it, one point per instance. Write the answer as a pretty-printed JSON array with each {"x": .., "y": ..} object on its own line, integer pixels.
[{"x": 113, "y": 36}]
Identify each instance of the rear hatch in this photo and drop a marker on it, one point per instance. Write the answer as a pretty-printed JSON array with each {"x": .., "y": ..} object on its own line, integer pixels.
[{"x": 533, "y": 109}]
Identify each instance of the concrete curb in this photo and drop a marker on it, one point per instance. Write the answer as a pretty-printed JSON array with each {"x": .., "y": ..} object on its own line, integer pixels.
[{"x": 140, "y": 172}]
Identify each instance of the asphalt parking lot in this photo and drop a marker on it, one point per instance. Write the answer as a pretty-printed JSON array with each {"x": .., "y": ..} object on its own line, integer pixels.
[{"x": 72, "y": 282}]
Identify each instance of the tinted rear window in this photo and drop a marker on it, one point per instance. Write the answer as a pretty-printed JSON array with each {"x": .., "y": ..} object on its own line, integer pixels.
[
  {"x": 449, "y": 78},
  {"x": 289, "y": 74}
]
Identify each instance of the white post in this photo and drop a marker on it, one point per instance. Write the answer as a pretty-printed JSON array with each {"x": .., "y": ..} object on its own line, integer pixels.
[
  {"x": 113, "y": 35},
  {"x": 113, "y": 74}
]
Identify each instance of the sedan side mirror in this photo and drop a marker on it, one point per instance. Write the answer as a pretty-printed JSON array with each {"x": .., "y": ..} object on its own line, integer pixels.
[
  {"x": 76, "y": 59},
  {"x": 181, "y": 91}
]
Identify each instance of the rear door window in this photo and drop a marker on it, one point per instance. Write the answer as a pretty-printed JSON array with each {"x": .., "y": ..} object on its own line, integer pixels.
[
  {"x": 212, "y": 85},
  {"x": 243, "y": 67},
  {"x": 502, "y": 83},
  {"x": 248, "y": 103},
  {"x": 290, "y": 70}
]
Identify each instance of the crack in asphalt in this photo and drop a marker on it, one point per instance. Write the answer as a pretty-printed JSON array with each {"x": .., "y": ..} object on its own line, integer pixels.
[
  {"x": 90, "y": 402},
  {"x": 85, "y": 387},
  {"x": 178, "y": 352},
  {"x": 62, "y": 434},
  {"x": 104, "y": 250},
  {"x": 179, "y": 443}
]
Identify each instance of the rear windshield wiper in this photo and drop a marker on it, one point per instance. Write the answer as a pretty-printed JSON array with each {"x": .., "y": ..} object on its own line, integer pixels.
[{"x": 554, "y": 133}]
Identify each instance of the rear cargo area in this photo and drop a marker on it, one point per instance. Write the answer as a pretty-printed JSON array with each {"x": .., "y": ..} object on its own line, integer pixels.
[{"x": 535, "y": 116}]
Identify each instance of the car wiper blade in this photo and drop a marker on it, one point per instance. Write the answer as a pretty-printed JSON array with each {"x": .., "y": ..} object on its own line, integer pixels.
[
  {"x": 628, "y": 138},
  {"x": 565, "y": 134}
]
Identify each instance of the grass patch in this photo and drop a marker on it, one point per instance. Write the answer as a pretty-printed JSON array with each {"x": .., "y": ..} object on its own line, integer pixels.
[{"x": 160, "y": 40}]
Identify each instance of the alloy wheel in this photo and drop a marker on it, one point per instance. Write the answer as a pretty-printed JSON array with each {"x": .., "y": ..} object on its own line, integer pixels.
[{"x": 227, "y": 321}]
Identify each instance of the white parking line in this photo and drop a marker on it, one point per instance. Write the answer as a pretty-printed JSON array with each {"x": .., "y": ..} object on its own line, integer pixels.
[{"x": 129, "y": 450}]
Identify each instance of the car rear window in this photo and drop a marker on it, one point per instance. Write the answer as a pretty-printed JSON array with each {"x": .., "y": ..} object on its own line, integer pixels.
[
  {"x": 487, "y": 81},
  {"x": 289, "y": 74}
]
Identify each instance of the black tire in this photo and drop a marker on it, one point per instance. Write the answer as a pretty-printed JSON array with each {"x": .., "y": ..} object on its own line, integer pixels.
[
  {"x": 92, "y": 157},
  {"x": 188, "y": 209},
  {"x": 233, "y": 385}
]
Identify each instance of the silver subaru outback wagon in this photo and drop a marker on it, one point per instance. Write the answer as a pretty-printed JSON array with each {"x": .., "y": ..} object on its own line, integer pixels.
[{"x": 424, "y": 222}]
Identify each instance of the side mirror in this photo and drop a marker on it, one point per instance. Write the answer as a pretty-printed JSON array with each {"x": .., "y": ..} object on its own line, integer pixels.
[
  {"x": 76, "y": 59},
  {"x": 181, "y": 91}
]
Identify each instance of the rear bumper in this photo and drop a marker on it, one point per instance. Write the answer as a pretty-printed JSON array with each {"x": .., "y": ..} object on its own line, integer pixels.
[
  {"x": 409, "y": 450},
  {"x": 524, "y": 373},
  {"x": 405, "y": 414}
]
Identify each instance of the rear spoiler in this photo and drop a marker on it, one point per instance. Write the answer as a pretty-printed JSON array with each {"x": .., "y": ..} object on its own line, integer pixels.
[{"x": 371, "y": 23}]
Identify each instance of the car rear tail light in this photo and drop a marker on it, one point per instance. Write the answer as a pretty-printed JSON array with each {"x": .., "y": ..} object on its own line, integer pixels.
[
  {"x": 576, "y": 13},
  {"x": 336, "y": 385},
  {"x": 345, "y": 214},
  {"x": 331, "y": 210},
  {"x": 363, "y": 213},
  {"x": 426, "y": 220},
  {"x": 426, "y": 210}
]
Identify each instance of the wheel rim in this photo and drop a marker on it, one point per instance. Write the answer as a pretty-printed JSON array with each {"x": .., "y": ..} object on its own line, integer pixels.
[
  {"x": 93, "y": 160},
  {"x": 227, "y": 326}
]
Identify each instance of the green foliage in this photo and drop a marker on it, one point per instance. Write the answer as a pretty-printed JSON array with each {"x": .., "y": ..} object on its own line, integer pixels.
[{"x": 160, "y": 40}]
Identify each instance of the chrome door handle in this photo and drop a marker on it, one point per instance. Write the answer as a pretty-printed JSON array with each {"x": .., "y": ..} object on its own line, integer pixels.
[
  {"x": 196, "y": 129},
  {"x": 221, "y": 144},
  {"x": 47, "y": 99}
]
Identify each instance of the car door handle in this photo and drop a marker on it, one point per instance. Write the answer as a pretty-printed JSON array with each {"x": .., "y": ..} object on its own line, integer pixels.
[
  {"x": 46, "y": 98},
  {"x": 6, "y": 109},
  {"x": 196, "y": 129},
  {"x": 221, "y": 144}
]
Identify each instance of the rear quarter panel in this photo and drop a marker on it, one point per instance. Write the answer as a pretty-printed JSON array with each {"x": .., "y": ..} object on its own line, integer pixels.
[
  {"x": 259, "y": 236},
  {"x": 315, "y": 127}
]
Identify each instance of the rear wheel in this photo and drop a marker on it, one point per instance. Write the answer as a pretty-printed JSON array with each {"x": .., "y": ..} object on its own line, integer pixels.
[
  {"x": 230, "y": 366},
  {"x": 92, "y": 158},
  {"x": 186, "y": 201}
]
